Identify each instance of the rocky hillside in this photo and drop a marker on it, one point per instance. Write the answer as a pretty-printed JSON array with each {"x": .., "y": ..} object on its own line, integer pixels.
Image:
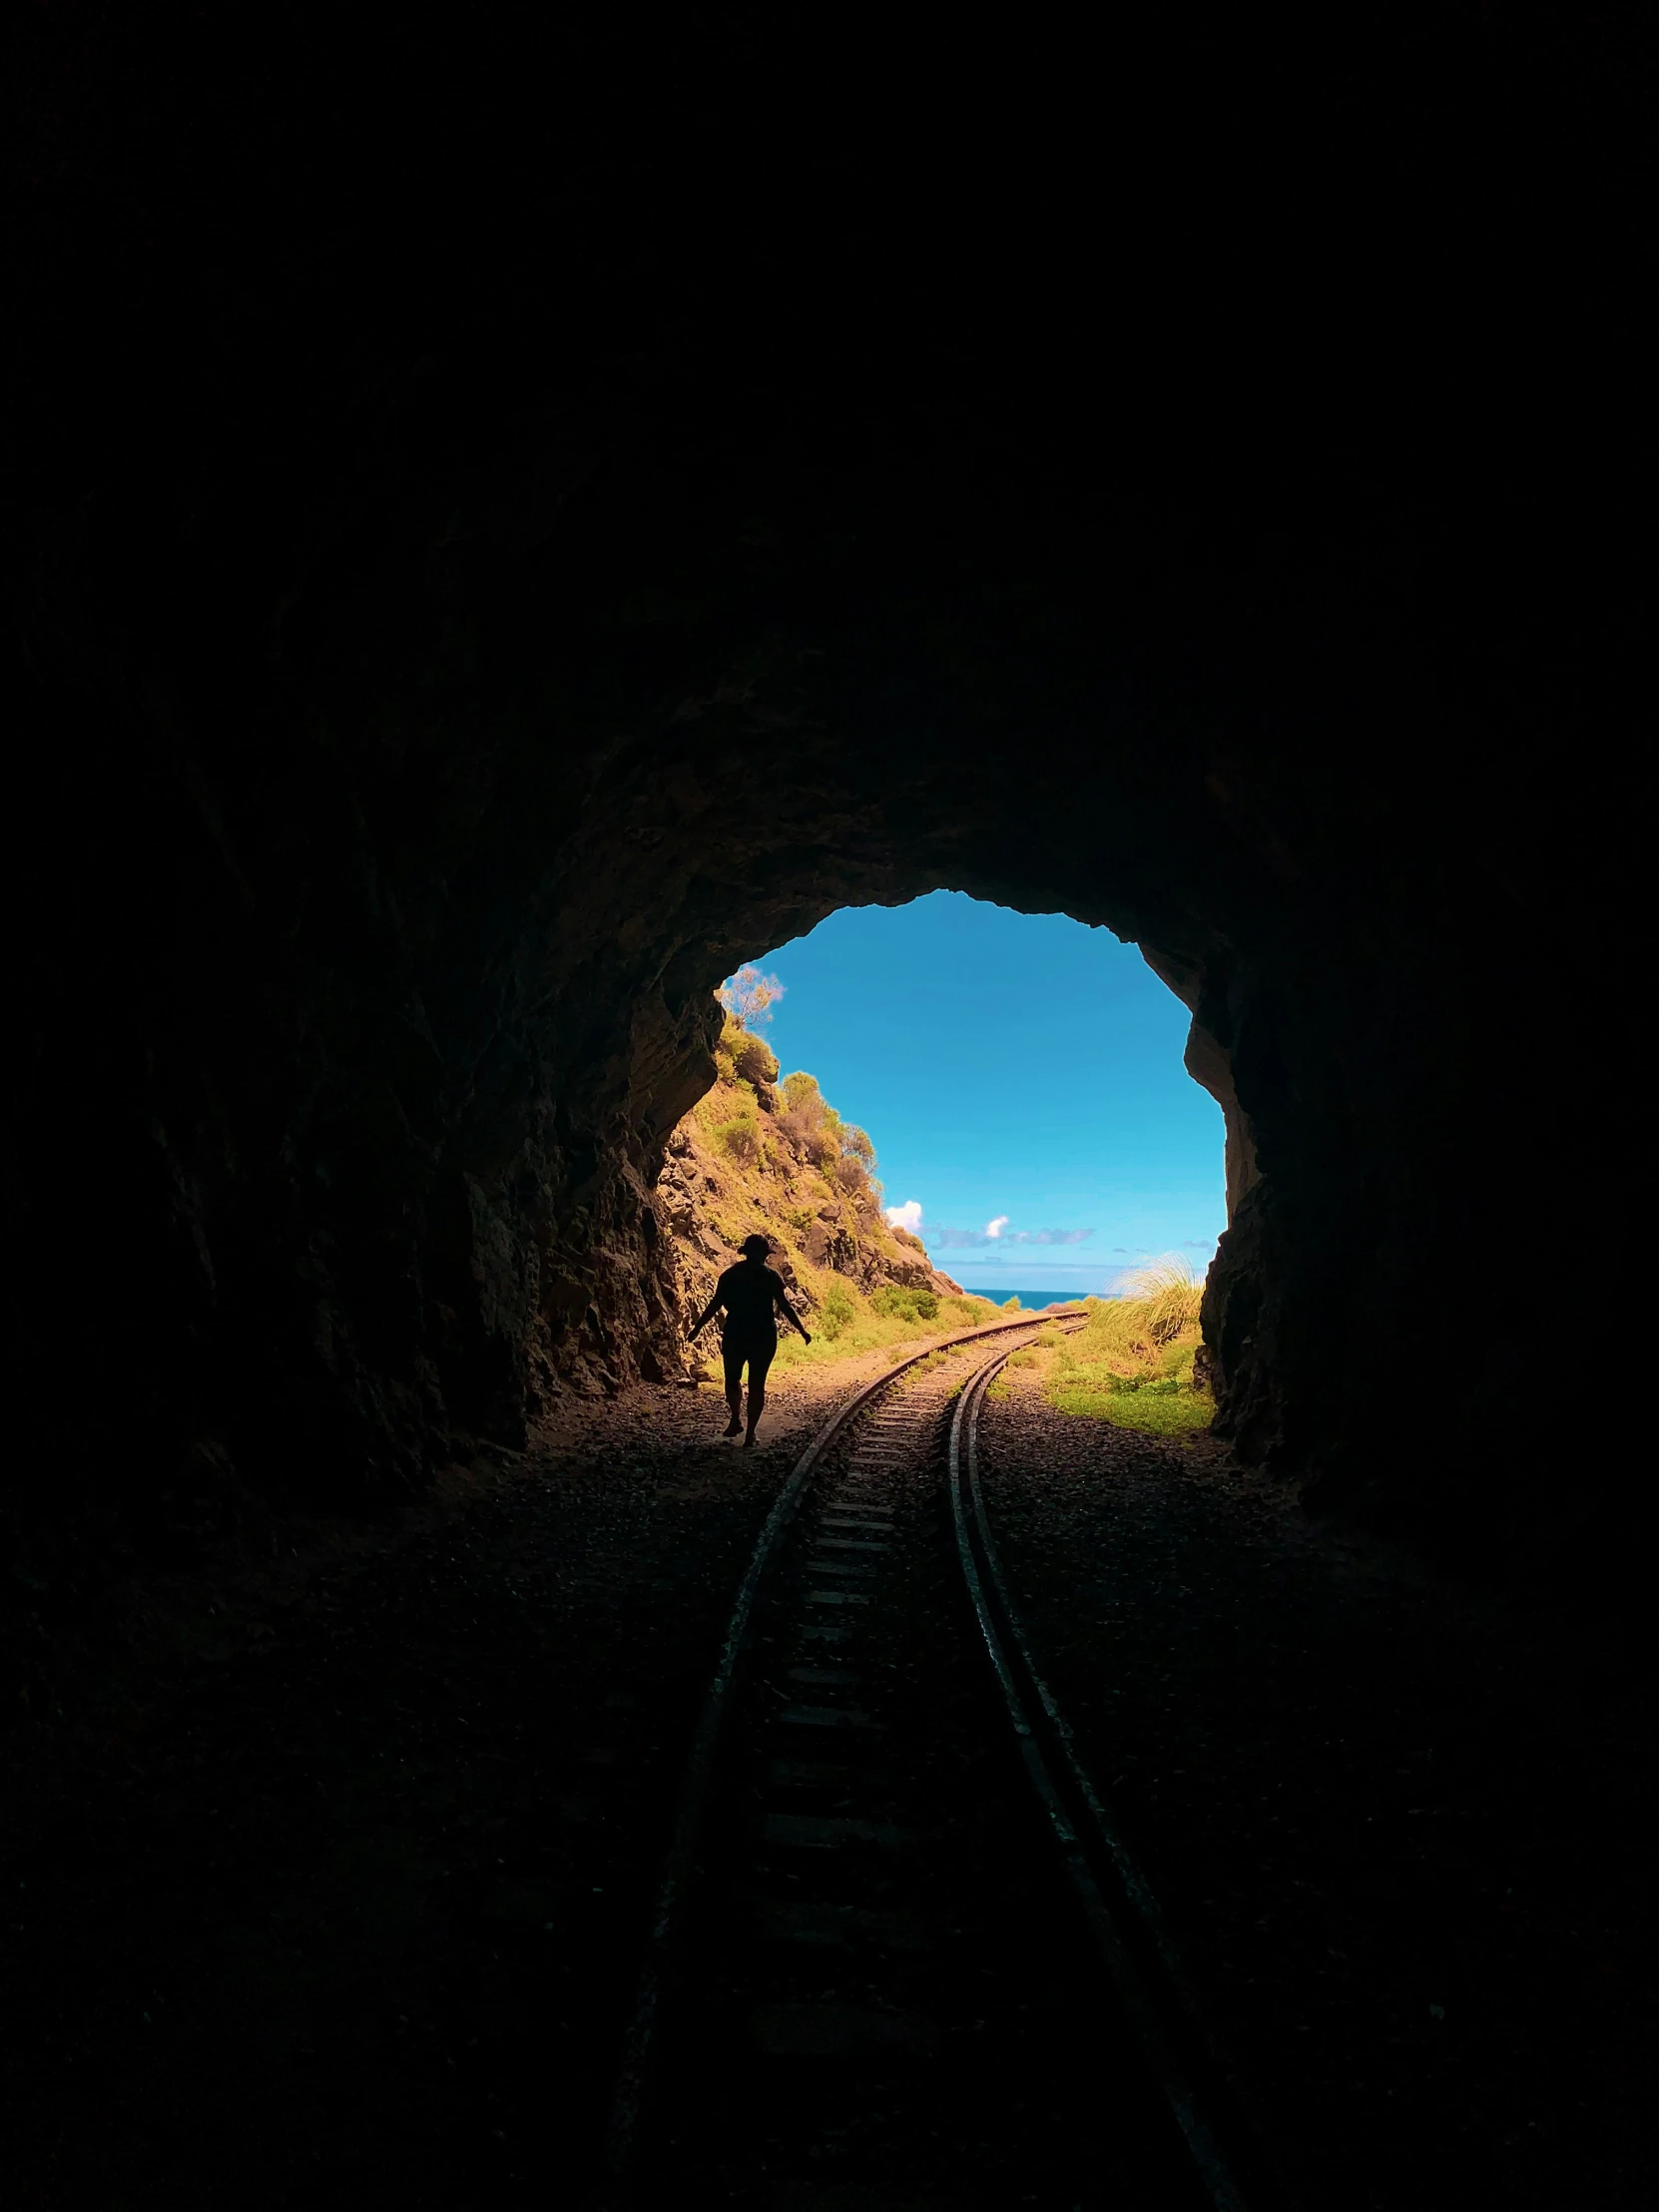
[{"x": 757, "y": 1154}]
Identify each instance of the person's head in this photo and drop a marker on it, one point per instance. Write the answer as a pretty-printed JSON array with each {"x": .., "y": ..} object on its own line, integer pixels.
[{"x": 755, "y": 1248}]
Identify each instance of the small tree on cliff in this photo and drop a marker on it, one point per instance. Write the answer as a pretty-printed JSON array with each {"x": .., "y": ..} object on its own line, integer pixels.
[{"x": 748, "y": 996}]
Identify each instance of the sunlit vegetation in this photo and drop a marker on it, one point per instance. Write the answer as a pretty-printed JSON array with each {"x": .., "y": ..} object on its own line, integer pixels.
[
  {"x": 849, "y": 1323},
  {"x": 765, "y": 1151},
  {"x": 770, "y": 1153},
  {"x": 1133, "y": 1361}
]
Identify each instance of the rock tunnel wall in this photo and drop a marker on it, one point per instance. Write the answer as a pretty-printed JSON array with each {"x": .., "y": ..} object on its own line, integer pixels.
[{"x": 422, "y": 709}]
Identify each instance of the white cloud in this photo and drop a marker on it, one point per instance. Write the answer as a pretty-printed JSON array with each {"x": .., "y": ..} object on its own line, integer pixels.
[
  {"x": 995, "y": 1228},
  {"x": 907, "y": 1216}
]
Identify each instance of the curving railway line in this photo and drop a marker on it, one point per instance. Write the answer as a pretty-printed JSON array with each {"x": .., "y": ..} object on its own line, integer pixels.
[{"x": 900, "y": 1956}]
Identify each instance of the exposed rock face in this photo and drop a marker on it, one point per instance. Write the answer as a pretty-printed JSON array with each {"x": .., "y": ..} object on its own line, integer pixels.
[
  {"x": 913, "y": 1270},
  {"x": 447, "y": 653},
  {"x": 1211, "y": 1066}
]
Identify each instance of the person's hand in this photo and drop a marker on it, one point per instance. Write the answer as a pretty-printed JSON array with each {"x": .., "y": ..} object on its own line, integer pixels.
[{"x": 805, "y": 1339}]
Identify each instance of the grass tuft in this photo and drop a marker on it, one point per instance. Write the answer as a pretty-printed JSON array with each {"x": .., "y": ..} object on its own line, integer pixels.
[{"x": 1131, "y": 1362}]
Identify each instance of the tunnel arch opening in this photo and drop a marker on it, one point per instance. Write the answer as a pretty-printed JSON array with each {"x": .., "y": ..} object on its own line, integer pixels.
[
  {"x": 403, "y": 814},
  {"x": 1020, "y": 1076},
  {"x": 764, "y": 805},
  {"x": 422, "y": 967},
  {"x": 453, "y": 635}
]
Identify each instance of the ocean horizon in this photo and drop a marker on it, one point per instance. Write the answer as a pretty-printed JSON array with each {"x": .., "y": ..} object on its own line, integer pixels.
[{"x": 1033, "y": 1298}]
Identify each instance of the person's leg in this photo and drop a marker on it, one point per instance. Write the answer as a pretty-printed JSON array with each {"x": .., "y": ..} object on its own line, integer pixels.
[
  {"x": 759, "y": 1361},
  {"x": 734, "y": 1357}
]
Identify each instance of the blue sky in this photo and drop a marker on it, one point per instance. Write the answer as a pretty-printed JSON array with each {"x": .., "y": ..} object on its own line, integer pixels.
[{"x": 1012, "y": 1069}]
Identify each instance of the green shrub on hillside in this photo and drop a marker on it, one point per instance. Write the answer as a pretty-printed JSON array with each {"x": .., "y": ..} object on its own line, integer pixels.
[
  {"x": 899, "y": 1304},
  {"x": 839, "y": 1150},
  {"x": 741, "y": 1058},
  {"x": 740, "y": 1136},
  {"x": 837, "y": 1311},
  {"x": 753, "y": 1058}
]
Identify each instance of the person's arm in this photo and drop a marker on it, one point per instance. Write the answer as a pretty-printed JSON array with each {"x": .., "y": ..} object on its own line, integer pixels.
[
  {"x": 708, "y": 1313},
  {"x": 778, "y": 1299}
]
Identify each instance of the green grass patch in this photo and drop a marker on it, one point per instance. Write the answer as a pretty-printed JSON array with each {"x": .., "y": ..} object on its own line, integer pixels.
[
  {"x": 1153, "y": 1416},
  {"x": 1132, "y": 1361},
  {"x": 844, "y": 1323}
]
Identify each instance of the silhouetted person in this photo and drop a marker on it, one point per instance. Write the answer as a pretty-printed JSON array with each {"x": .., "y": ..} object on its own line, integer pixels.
[{"x": 752, "y": 1295}]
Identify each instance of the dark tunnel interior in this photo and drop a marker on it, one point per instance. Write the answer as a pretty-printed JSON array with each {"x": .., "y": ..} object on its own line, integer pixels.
[{"x": 508, "y": 523}]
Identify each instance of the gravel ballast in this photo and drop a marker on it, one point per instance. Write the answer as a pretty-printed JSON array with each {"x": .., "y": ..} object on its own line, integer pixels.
[
  {"x": 326, "y": 1876},
  {"x": 325, "y": 1884},
  {"x": 1398, "y": 1827}
]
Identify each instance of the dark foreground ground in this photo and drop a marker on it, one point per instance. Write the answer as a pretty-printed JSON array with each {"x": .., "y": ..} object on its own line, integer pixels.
[
  {"x": 325, "y": 1884},
  {"x": 1405, "y": 1835}
]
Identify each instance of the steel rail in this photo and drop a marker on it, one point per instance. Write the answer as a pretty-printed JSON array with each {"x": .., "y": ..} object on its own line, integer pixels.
[
  {"x": 674, "y": 1883},
  {"x": 988, "y": 1589}
]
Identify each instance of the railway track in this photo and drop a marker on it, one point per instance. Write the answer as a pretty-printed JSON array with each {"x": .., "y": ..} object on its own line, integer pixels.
[{"x": 901, "y": 1958}]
